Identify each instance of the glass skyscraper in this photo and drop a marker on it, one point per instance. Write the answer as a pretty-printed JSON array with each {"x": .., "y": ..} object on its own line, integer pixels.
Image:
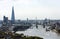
[{"x": 13, "y": 16}]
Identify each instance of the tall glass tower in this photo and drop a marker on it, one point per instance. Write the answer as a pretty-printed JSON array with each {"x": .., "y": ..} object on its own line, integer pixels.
[{"x": 13, "y": 16}]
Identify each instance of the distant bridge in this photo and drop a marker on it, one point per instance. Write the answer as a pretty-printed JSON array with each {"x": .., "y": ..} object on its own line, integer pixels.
[{"x": 19, "y": 27}]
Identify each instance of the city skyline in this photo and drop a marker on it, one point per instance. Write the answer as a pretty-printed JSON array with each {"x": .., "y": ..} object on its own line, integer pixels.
[{"x": 30, "y": 9}]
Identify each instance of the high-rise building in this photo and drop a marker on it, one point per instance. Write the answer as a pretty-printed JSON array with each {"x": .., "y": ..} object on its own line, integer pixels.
[
  {"x": 13, "y": 16},
  {"x": 5, "y": 20}
]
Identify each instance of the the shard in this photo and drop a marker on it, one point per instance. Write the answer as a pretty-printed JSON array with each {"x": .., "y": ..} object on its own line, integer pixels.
[{"x": 13, "y": 16}]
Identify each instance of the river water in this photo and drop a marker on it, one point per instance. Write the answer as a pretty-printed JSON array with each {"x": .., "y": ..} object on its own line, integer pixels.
[{"x": 40, "y": 32}]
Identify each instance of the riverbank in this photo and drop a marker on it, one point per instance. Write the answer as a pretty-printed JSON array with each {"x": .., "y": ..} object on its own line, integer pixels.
[{"x": 11, "y": 35}]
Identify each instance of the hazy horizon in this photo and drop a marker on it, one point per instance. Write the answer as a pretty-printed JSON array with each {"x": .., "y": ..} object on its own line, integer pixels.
[{"x": 31, "y": 9}]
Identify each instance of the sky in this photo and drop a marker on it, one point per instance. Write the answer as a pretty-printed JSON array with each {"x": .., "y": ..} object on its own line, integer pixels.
[{"x": 31, "y": 9}]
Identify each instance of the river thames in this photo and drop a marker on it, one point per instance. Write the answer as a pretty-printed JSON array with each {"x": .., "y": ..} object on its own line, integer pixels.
[{"x": 40, "y": 32}]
